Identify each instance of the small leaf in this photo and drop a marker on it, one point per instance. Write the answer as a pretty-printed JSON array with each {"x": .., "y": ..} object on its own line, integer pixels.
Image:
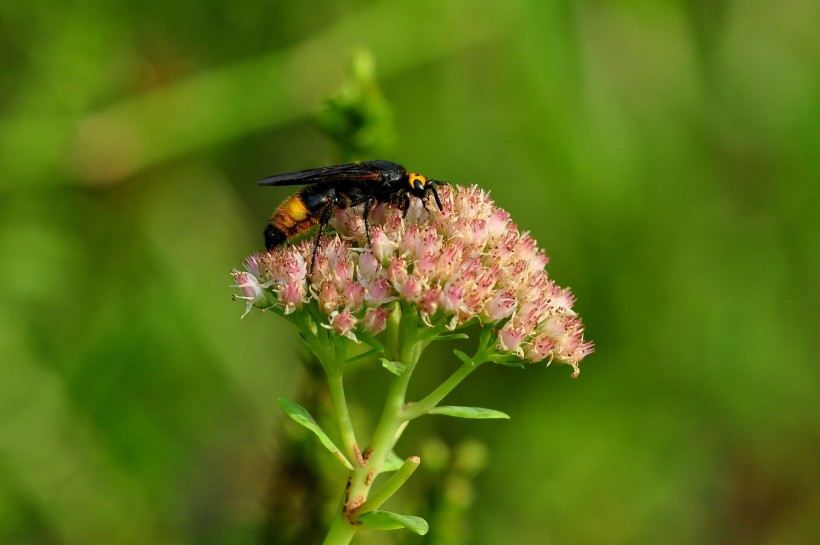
[
  {"x": 507, "y": 361},
  {"x": 395, "y": 367},
  {"x": 385, "y": 520},
  {"x": 370, "y": 340},
  {"x": 303, "y": 417},
  {"x": 452, "y": 337},
  {"x": 392, "y": 462},
  {"x": 364, "y": 355},
  {"x": 464, "y": 357},
  {"x": 468, "y": 412}
]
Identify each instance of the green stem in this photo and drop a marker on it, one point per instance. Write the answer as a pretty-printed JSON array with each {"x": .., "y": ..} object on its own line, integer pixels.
[
  {"x": 337, "y": 394},
  {"x": 341, "y": 531},
  {"x": 387, "y": 432},
  {"x": 434, "y": 398},
  {"x": 391, "y": 486}
]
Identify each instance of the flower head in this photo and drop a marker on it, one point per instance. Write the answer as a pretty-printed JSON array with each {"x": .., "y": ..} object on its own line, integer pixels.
[{"x": 467, "y": 262}]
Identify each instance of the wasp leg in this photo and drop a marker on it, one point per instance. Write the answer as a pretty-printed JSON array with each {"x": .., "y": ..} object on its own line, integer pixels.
[
  {"x": 323, "y": 221},
  {"x": 367, "y": 205},
  {"x": 431, "y": 188},
  {"x": 404, "y": 204}
]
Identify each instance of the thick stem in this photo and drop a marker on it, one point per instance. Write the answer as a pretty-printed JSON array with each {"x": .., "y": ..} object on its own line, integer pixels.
[
  {"x": 337, "y": 394},
  {"x": 407, "y": 343},
  {"x": 341, "y": 532},
  {"x": 387, "y": 430}
]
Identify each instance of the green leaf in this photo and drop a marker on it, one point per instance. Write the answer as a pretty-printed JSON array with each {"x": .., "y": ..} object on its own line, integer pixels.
[
  {"x": 385, "y": 520},
  {"x": 464, "y": 357},
  {"x": 468, "y": 412},
  {"x": 395, "y": 367},
  {"x": 303, "y": 417},
  {"x": 508, "y": 361},
  {"x": 366, "y": 354},
  {"x": 452, "y": 336},
  {"x": 392, "y": 462}
]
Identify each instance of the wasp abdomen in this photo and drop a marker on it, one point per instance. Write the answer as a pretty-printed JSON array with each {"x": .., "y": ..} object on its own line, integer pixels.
[{"x": 296, "y": 215}]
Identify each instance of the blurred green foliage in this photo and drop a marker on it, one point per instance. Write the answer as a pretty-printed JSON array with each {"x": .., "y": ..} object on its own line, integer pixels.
[
  {"x": 664, "y": 153},
  {"x": 358, "y": 118}
]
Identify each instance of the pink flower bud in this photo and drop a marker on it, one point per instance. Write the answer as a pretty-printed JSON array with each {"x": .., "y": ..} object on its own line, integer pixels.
[
  {"x": 383, "y": 247},
  {"x": 349, "y": 223},
  {"x": 411, "y": 289},
  {"x": 430, "y": 300},
  {"x": 410, "y": 245},
  {"x": 352, "y": 295},
  {"x": 426, "y": 266},
  {"x": 397, "y": 273},
  {"x": 368, "y": 266},
  {"x": 252, "y": 264},
  {"x": 249, "y": 287},
  {"x": 500, "y": 306},
  {"x": 292, "y": 296},
  {"x": 375, "y": 319},
  {"x": 539, "y": 348},
  {"x": 379, "y": 291},
  {"x": 328, "y": 297},
  {"x": 497, "y": 224},
  {"x": 452, "y": 299},
  {"x": 511, "y": 336},
  {"x": 343, "y": 323}
]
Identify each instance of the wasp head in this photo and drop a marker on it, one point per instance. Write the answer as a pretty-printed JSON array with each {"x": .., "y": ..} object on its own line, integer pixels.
[{"x": 421, "y": 187}]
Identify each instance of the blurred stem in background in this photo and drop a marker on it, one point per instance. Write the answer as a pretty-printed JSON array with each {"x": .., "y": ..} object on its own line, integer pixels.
[{"x": 358, "y": 118}]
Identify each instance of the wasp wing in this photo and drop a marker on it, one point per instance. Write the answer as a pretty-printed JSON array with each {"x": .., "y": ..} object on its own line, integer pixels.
[{"x": 336, "y": 173}]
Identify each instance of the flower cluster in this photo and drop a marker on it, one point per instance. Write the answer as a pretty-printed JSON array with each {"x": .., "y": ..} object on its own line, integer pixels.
[{"x": 464, "y": 263}]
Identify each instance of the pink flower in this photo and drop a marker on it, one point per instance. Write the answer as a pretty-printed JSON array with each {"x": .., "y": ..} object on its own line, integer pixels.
[
  {"x": 410, "y": 245},
  {"x": 292, "y": 296},
  {"x": 497, "y": 224},
  {"x": 397, "y": 273},
  {"x": 343, "y": 323},
  {"x": 328, "y": 296},
  {"x": 539, "y": 348},
  {"x": 379, "y": 291},
  {"x": 375, "y": 319},
  {"x": 383, "y": 247},
  {"x": 368, "y": 266},
  {"x": 466, "y": 261},
  {"x": 250, "y": 288},
  {"x": 411, "y": 289},
  {"x": 353, "y": 294},
  {"x": 430, "y": 299},
  {"x": 500, "y": 306},
  {"x": 452, "y": 298},
  {"x": 510, "y": 337}
]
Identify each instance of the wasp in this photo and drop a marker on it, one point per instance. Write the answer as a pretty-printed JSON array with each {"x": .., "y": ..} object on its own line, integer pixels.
[{"x": 342, "y": 186}]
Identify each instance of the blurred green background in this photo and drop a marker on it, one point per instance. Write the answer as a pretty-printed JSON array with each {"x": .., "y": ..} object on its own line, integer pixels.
[{"x": 665, "y": 153}]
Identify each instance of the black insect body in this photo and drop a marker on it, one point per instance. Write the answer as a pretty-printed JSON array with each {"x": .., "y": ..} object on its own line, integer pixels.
[{"x": 342, "y": 186}]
